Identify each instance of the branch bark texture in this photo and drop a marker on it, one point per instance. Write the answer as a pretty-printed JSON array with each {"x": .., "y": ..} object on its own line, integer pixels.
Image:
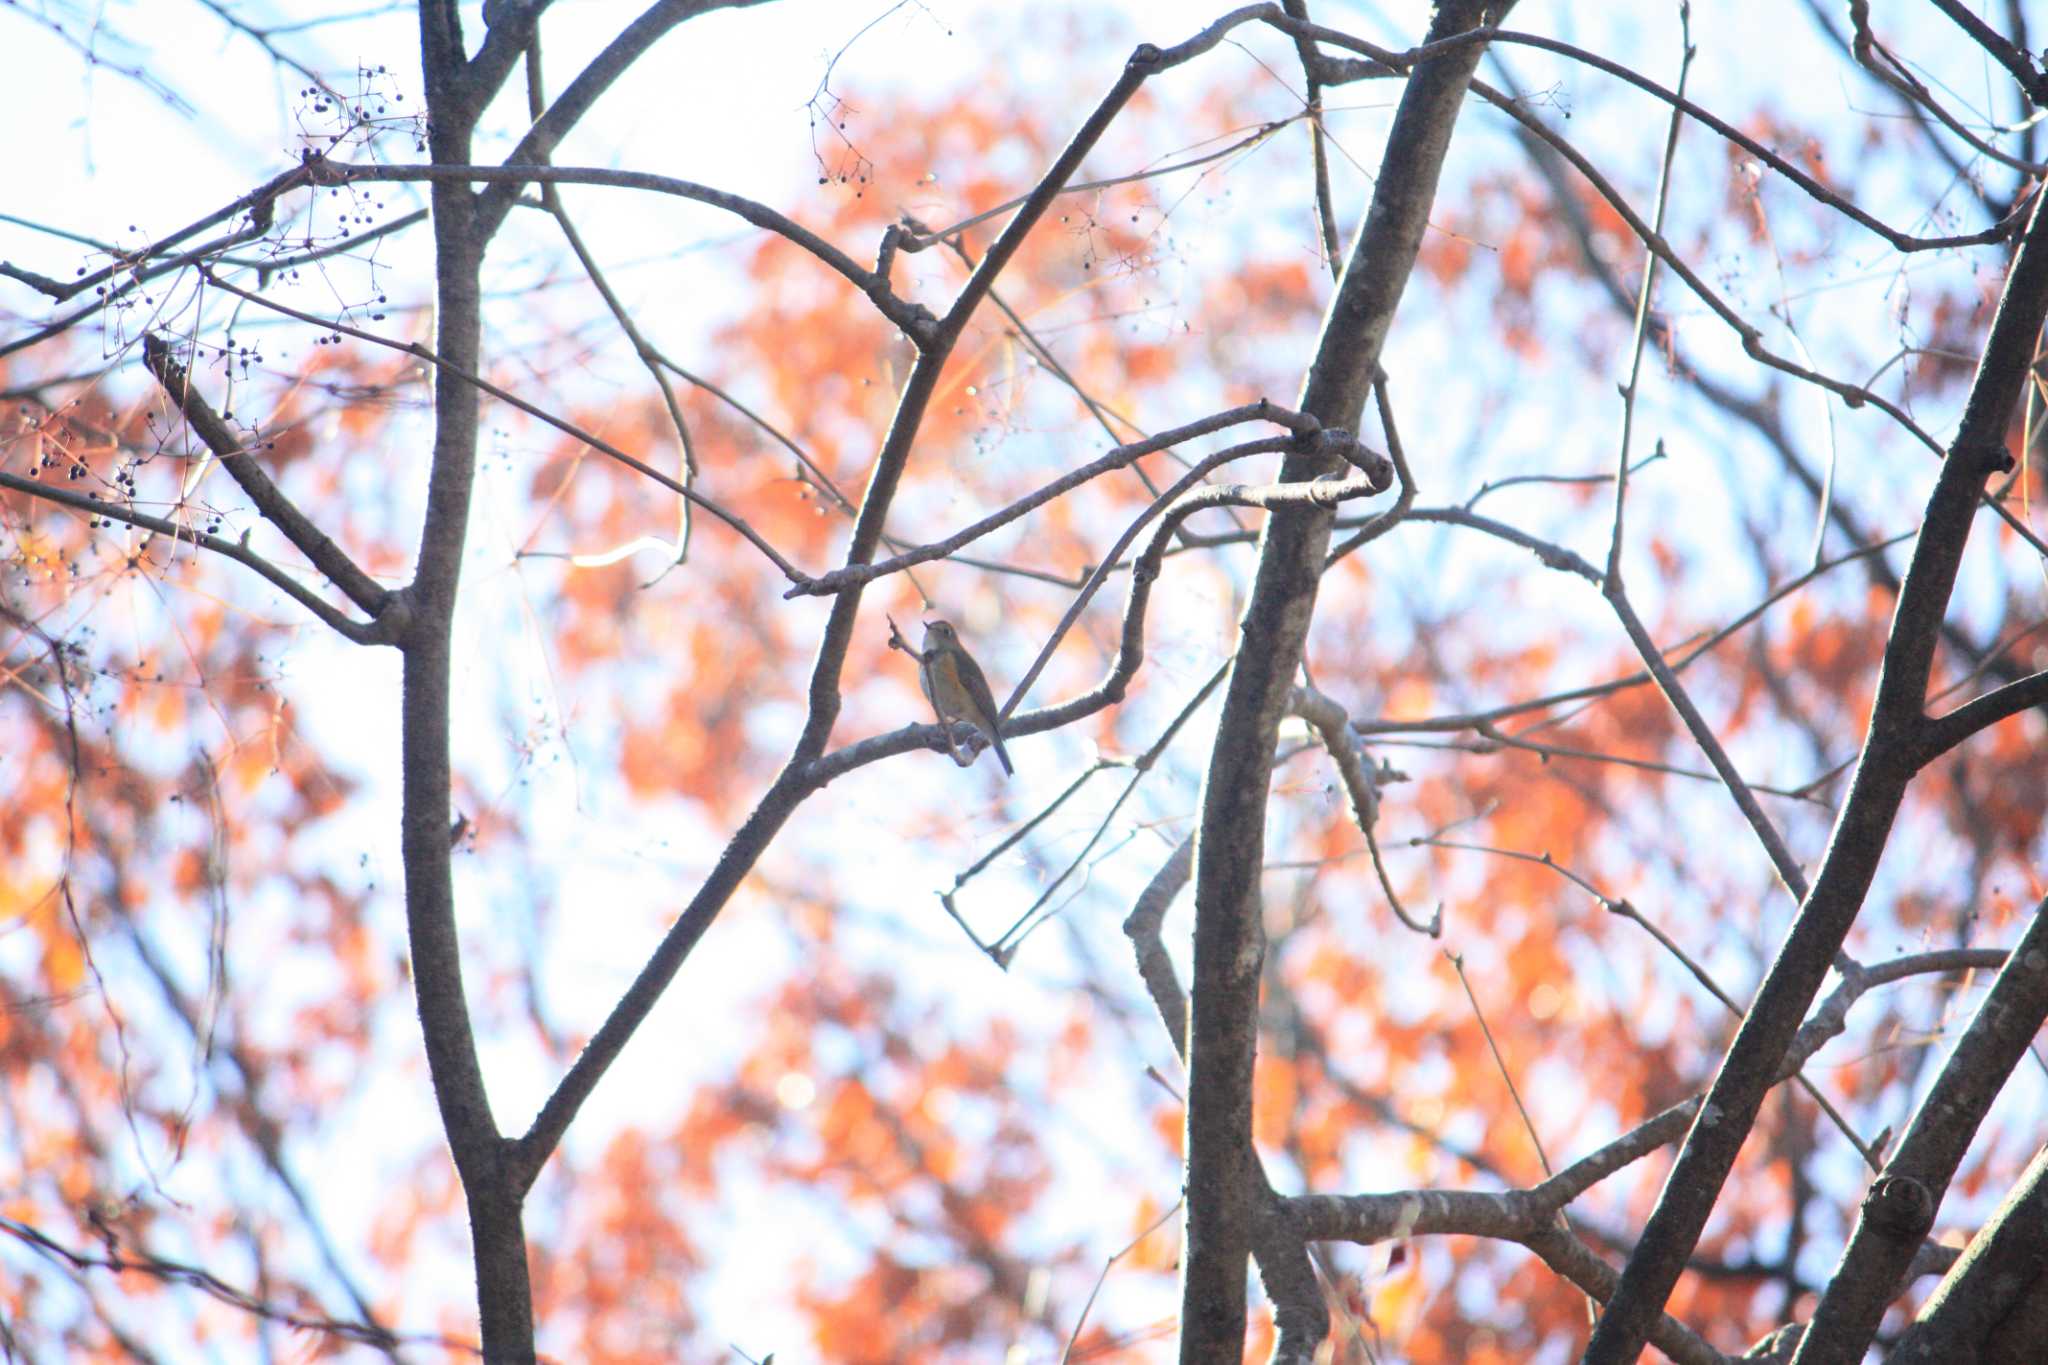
[{"x": 1222, "y": 1185}]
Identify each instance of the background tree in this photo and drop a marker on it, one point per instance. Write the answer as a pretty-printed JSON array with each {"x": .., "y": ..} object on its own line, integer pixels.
[{"x": 1486, "y": 539}]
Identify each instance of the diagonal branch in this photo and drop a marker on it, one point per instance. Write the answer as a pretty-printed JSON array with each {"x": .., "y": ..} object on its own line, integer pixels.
[
  {"x": 1890, "y": 758},
  {"x": 1982, "y": 1309},
  {"x": 171, "y": 1271},
  {"x": 1786, "y": 866},
  {"x": 1530, "y": 1215},
  {"x": 382, "y": 631},
  {"x": 1379, "y": 60},
  {"x": 494, "y": 62},
  {"x": 1888, "y": 70},
  {"x": 282, "y": 512},
  {"x": 2000, "y": 47},
  {"x": 910, "y": 317},
  {"x": 1898, "y": 1211},
  {"x": 509, "y": 27},
  {"x": 807, "y": 768},
  {"x": 1361, "y": 785},
  {"x": 840, "y": 579},
  {"x": 1946, "y": 731},
  {"x": 447, "y": 369}
]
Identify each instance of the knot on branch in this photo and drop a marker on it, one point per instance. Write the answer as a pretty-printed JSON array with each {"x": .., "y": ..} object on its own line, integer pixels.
[
  {"x": 320, "y": 171},
  {"x": 1900, "y": 1206},
  {"x": 1145, "y": 57},
  {"x": 1985, "y": 458},
  {"x": 1778, "y": 1346},
  {"x": 498, "y": 13},
  {"x": 921, "y": 324},
  {"x": 1337, "y": 443},
  {"x": 1326, "y": 441},
  {"x": 393, "y": 621},
  {"x": 1330, "y": 71}
]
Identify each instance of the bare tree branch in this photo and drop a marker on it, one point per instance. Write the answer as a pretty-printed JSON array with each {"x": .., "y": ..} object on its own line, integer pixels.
[
  {"x": 227, "y": 447},
  {"x": 1946, "y": 731},
  {"x": 1990, "y": 1305},
  {"x": 1887, "y": 765},
  {"x": 1898, "y": 1212},
  {"x": 1229, "y": 850}
]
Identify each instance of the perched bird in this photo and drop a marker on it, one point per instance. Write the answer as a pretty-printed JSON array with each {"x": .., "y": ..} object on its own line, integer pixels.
[{"x": 954, "y": 685}]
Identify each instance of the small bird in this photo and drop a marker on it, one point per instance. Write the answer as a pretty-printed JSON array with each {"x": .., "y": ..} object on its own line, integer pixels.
[{"x": 954, "y": 685}]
